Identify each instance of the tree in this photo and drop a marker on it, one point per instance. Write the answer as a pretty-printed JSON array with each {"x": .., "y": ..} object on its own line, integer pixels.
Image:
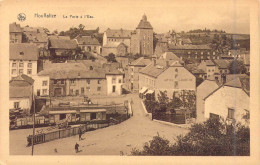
[
  {"x": 111, "y": 57},
  {"x": 237, "y": 67},
  {"x": 214, "y": 137}
]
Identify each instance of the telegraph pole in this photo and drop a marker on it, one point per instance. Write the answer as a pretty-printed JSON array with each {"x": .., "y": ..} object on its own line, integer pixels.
[{"x": 33, "y": 123}]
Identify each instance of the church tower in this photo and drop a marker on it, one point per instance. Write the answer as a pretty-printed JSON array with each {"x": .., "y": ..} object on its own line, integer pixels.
[{"x": 142, "y": 38}]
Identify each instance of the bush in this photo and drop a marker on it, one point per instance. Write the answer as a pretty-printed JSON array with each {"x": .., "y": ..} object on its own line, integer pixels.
[{"x": 211, "y": 138}]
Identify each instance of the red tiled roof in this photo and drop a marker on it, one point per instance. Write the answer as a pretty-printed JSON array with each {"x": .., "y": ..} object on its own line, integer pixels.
[{"x": 23, "y": 51}]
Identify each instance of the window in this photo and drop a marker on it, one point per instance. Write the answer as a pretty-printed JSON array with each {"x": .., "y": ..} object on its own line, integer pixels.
[
  {"x": 209, "y": 70},
  {"x": 176, "y": 85},
  {"x": 44, "y": 83},
  {"x": 113, "y": 79},
  {"x": 208, "y": 53},
  {"x": 82, "y": 90},
  {"x": 214, "y": 53},
  {"x": 62, "y": 116},
  {"x": 188, "y": 52},
  {"x": 62, "y": 81},
  {"x": 20, "y": 71},
  {"x": 88, "y": 81},
  {"x": 176, "y": 75},
  {"x": 72, "y": 82},
  {"x": 201, "y": 53},
  {"x": 44, "y": 92},
  {"x": 21, "y": 64},
  {"x": 98, "y": 88},
  {"x": 29, "y": 65},
  {"x": 176, "y": 70},
  {"x": 13, "y": 64},
  {"x": 88, "y": 89},
  {"x": 71, "y": 91},
  {"x": 16, "y": 105},
  {"x": 214, "y": 116},
  {"x": 212, "y": 70},
  {"x": 231, "y": 113},
  {"x": 119, "y": 81},
  {"x": 98, "y": 81},
  {"x": 29, "y": 71},
  {"x": 114, "y": 89},
  {"x": 55, "y": 82},
  {"x": 13, "y": 71},
  {"x": 21, "y": 53}
]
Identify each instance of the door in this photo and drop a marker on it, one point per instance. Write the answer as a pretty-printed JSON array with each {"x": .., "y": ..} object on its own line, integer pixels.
[
  {"x": 38, "y": 92},
  {"x": 114, "y": 89},
  {"x": 57, "y": 92}
]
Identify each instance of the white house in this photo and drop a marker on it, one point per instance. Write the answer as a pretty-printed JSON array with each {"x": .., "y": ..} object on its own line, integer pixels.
[
  {"x": 203, "y": 90},
  {"x": 41, "y": 85},
  {"x": 115, "y": 81},
  {"x": 23, "y": 59},
  {"x": 230, "y": 101}
]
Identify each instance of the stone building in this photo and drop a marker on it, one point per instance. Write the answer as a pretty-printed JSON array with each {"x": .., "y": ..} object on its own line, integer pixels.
[
  {"x": 15, "y": 32},
  {"x": 142, "y": 38}
]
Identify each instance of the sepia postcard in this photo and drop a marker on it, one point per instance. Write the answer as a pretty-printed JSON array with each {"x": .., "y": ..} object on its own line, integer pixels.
[{"x": 129, "y": 82}]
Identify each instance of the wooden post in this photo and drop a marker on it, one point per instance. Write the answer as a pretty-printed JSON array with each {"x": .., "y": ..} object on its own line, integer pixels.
[{"x": 33, "y": 123}]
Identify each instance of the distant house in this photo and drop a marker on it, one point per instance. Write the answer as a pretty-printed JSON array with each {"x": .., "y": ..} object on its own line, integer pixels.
[
  {"x": 192, "y": 51},
  {"x": 117, "y": 48},
  {"x": 23, "y": 59},
  {"x": 203, "y": 90},
  {"x": 40, "y": 39},
  {"x": 61, "y": 47},
  {"x": 171, "y": 56},
  {"x": 15, "y": 33},
  {"x": 160, "y": 48},
  {"x": 72, "y": 79},
  {"x": 120, "y": 35},
  {"x": 168, "y": 76},
  {"x": 21, "y": 93},
  {"x": 88, "y": 44},
  {"x": 222, "y": 66},
  {"x": 230, "y": 101},
  {"x": 209, "y": 67},
  {"x": 114, "y": 80},
  {"x": 41, "y": 85},
  {"x": 132, "y": 78}
]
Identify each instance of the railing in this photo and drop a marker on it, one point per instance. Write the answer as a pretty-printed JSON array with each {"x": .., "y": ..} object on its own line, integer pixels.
[{"x": 45, "y": 137}]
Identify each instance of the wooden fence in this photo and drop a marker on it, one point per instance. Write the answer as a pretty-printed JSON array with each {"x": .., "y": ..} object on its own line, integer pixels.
[{"x": 45, "y": 137}]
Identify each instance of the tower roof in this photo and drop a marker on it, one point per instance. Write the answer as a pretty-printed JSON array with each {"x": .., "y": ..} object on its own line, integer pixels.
[{"x": 144, "y": 24}]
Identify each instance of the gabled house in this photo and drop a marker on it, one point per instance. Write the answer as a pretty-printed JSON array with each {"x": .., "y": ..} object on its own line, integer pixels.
[
  {"x": 162, "y": 75},
  {"x": 23, "y": 59},
  {"x": 15, "y": 33},
  {"x": 230, "y": 101},
  {"x": 88, "y": 44},
  {"x": 117, "y": 48},
  {"x": 21, "y": 93}
]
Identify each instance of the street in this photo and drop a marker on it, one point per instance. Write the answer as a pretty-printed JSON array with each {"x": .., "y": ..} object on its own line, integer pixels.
[{"x": 113, "y": 140}]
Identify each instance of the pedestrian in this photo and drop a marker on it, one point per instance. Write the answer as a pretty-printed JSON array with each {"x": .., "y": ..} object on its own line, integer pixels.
[
  {"x": 77, "y": 147},
  {"x": 80, "y": 133}
]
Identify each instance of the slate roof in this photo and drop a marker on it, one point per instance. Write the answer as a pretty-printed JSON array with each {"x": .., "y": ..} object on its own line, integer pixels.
[
  {"x": 222, "y": 63},
  {"x": 188, "y": 47},
  {"x": 118, "y": 33},
  {"x": 20, "y": 87},
  {"x": 161, "y": 65},
  {"x": 87, "y": 40},
  {"x": 28, "y": 51},
  {"x": 113, "y": 44},
  {"x": 144, "y": 24},
  {"x": 171, "y": 56},
  {"x": 36, "y": 37},
  {"x": 15, "y": 28},
  {"x": 62, "y": 43},
  {"x": 71, "y": 71},
  {"x": 141, "y": 61}
]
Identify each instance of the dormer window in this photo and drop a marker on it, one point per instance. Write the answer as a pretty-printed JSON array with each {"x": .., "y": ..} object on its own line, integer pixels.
[{"x": 21, "y": 53}]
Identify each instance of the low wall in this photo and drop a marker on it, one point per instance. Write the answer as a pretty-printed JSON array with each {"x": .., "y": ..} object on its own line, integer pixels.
[{"x": 149, "y": 115}]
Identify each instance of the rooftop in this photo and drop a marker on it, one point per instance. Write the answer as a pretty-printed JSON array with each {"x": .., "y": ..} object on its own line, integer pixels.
[
  {"x": 144, "y": 24},
  {"x": 222, "y": 63},
  {"x": 113, "y": 44},
  {"x": 171, "y": 56},
  {"x": 141, "y": 61},
  {"x": 15, "y": 28},
  {"x": 61, "y": 43},
  {"x": 118, "y": 33},
  {"x": 189, "y": 47},
  {"x": 20, "y": 87},
  {"x": 23, "y": 51},
  {"x": 87, "y": 40}
]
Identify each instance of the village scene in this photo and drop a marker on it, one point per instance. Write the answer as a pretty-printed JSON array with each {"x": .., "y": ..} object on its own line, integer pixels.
[{"x": 129, "y": 92}]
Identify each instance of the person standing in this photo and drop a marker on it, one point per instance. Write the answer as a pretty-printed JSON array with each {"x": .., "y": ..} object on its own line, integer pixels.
[
  {"x": 80, "y": 133},
  {"x": 77, "y": 147}
]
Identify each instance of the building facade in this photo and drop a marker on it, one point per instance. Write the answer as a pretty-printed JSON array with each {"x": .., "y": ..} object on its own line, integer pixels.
[
  {"x": 142, "y": 38},
  {"x": 23, "y": 59},
  {"x": 15, "y": 33}
]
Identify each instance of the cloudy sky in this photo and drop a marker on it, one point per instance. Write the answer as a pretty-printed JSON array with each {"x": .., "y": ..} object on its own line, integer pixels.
[{"x": 163, "y": 15}]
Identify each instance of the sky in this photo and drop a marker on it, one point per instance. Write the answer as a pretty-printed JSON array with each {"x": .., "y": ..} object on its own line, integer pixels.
[{"x": 163, "y": 15}]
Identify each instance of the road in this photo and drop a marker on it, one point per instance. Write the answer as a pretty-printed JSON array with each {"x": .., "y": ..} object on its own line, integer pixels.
[{"x": 113, "y": 140}]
